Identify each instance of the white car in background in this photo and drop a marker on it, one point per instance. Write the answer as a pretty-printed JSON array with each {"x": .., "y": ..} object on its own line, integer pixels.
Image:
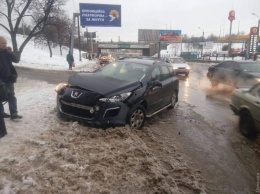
[{"x": 179, "y": 65}]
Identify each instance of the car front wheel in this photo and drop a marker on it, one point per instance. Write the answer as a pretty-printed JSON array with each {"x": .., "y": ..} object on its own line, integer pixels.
[
  {"x": 246, "y": 125},
  {"x": 136, "y": 117}
]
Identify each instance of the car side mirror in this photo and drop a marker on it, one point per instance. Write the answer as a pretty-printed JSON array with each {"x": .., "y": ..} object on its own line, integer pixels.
[{"x": 156, "y": 84}]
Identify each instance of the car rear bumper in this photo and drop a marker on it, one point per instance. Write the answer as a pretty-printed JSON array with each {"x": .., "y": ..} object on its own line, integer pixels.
[{"x": 102, "y": 114}]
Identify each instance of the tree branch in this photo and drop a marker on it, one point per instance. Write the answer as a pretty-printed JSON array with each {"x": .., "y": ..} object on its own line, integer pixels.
[{"x": 5, "y": 28}]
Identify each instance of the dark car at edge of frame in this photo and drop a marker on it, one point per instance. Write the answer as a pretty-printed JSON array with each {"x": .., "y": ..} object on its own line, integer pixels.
[
  {"x": 235, "y": 73},
  {"x": 123, "y": 92}
]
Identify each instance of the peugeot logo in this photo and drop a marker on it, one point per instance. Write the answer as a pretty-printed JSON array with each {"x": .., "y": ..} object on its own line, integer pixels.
[{"x": 75, "y": 94}]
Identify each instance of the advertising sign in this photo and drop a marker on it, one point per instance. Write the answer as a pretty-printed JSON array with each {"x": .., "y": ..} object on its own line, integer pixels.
[
  {"x": 231, "y": 15},
  {"x": 102, "y": 15},
  {"x": 253, "y": 39},
  {"x": 170, "y": 35}
]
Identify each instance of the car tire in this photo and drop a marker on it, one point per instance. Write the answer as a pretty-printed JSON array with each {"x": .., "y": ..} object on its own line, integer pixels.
[
  {"x": 136, "y": 117},
  {"x": 174, "y": 100},
  {"x": 246, "y": 125}
]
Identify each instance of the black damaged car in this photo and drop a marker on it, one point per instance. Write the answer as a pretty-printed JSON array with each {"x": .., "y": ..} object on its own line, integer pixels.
[{"x": 123, "y": 92}]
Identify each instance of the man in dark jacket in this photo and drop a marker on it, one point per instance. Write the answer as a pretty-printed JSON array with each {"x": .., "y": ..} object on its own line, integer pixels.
[{"x": 8, "y": 75}]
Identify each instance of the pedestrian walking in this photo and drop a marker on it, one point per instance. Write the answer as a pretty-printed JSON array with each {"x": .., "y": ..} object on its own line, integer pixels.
[
  {"x": 8, "y": 76},
  {"x": 70, "y": 60}
]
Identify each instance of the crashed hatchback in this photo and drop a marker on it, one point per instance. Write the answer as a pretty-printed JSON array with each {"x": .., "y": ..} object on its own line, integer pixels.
[{"x": 123, "y": 92}]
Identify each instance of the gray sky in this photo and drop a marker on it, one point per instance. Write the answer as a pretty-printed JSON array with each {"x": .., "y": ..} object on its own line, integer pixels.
[{"x": 184, "y": 15}]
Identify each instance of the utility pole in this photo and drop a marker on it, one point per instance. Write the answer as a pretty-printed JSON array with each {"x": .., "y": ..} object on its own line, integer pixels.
[
  {"x": 79, "y": 41},
  {"x": 91, "y": 44},
  {"x": 202, "y": 41},
  {"x": 72, "y": 31},
  {"x": 229, "y": 45},
  {"x": 231, "y": 17}
]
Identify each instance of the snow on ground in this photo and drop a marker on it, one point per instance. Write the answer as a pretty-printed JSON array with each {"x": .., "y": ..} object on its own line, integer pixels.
[
  {"x": 43, "y": 154},
  {"x": 38, "y": 57}
]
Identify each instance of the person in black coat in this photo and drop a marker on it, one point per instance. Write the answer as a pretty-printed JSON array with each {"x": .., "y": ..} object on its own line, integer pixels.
[
  {"x": 8, "y": 75},
  {"x": 3, "y": 131}
]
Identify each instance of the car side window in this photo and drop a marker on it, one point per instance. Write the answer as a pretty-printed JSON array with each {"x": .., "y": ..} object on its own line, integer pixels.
[
  {"x": 258, "y": 93},
  {"x": 225, "y": 65},
  {"x": 234, "y": 65},
  {"x": 171, "y": 71},
  {"x": 165, "y": 73},
  {"x": 155, "y": 75},
  {"x": 255, "y": 91}
]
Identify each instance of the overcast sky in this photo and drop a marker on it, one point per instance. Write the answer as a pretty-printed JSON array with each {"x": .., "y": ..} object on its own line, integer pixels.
[{"x": 185, "y": 15}]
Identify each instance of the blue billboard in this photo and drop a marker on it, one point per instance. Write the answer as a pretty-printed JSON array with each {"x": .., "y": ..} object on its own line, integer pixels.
[{"x": 102, "y": 15}]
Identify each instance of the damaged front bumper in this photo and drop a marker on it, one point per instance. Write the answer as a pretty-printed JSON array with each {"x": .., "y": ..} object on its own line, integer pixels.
[{"x": 101, "y": 114}]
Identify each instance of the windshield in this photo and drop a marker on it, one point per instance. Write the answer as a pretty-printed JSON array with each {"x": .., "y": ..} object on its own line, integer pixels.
[
  {"x": 177, "y": 60},
  {"x": 123, "y": 70},
  {"x": 251, "y": 67}
]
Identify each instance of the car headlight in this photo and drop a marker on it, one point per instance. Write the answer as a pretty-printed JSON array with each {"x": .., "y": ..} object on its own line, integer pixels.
[
  {"x": 187, "y": 67},
  {"x": 257, "y": 79},
  {"x": 117, "y": 98},
  {"x": 60, "y": 88},
  {"x": 175, "y": 67}
]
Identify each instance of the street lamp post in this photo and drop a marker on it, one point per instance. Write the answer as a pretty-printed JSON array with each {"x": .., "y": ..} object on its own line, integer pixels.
[
  {"x": 231, "y": 18},
  {"x": 257, "y": 27},
  {"x": 238, "y": 27},
  {"x": 202, "y": 40}
]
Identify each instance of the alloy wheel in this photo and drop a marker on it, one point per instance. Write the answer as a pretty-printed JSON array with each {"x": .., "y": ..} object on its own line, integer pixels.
[{"x": 137, "y": 119}]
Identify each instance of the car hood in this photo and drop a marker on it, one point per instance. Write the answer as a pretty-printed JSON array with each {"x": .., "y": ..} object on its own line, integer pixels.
[{"x": 102, "y": 84}]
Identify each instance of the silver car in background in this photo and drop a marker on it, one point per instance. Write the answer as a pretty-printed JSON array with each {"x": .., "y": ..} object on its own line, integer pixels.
[{"x": 179, "y": 65}]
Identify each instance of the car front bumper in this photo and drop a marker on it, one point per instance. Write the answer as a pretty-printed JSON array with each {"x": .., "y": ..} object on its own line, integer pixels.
[{"x": 102, "y": 114}]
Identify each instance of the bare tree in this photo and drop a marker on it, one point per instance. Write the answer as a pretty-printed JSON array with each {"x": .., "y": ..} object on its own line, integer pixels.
[
  {"x": 63, "y": 27},
  {"x": 16, "y": 11},
  {"x": 55, "y": 33},
  {"x": 47, "y": 38}
]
